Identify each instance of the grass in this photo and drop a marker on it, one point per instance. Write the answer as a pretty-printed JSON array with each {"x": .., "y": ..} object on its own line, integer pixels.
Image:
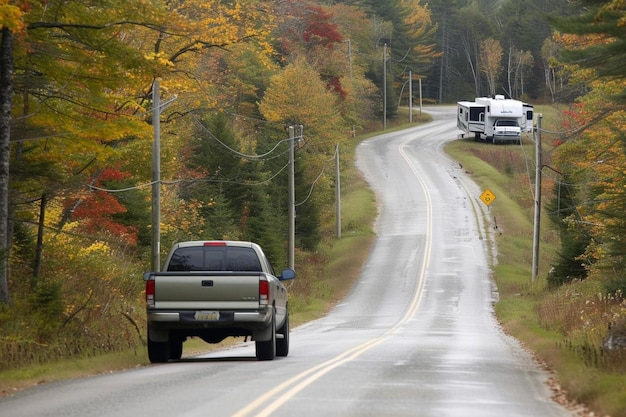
[{"x": 16, "y": 379}]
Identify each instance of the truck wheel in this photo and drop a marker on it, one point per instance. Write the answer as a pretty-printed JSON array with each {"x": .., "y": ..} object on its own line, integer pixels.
[
  {"x": 176, "y": 348},
  {"x": 282, "y": 343},
  {"x": 266, "y": 351},
  {"x": 158, "y": 352}
]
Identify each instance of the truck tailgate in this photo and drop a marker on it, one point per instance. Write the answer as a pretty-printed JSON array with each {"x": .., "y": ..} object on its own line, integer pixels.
[{"x": 215, "y": 291}]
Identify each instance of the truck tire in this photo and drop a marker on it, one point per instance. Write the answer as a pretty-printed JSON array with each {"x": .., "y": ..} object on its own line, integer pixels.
[
  {"x": 176, "y": 348},
  {"x": 158, "y": 352},
  {"x": 282, "y": 343},
  {"x": 266, "y": 350}
]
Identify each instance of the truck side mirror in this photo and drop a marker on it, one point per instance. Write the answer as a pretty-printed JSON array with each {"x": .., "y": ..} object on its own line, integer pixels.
[{"x": 287, "y": 274}]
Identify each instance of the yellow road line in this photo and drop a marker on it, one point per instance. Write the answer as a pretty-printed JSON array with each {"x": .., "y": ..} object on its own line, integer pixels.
[{"x": 282, "y": 394}]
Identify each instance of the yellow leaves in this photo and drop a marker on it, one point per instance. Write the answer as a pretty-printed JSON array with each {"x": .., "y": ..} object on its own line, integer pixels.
[
  {"x": 97, "y": 248},
  {"x": 490, "y": 59},
  {"x": 183, "y": 216},
  {"x": 615, "y": 6},
  {"x": 297, "y": 95},
  {"x": 11, "y": 16},
  {"x": 419, "y": 18},
  {"x": 159, "y": 58},
  {"x": 218, "y": 23},
  {"x": 491, "y": 53}
]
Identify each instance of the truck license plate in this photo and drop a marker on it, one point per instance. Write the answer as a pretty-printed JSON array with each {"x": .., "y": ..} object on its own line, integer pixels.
[{"x": 207, "y": 315}]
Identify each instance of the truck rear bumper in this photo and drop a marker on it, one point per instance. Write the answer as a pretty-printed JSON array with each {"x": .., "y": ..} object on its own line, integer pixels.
[
  {"x": 255, "y": 317},
  {"x": 162, "y": 325},
  {"x": 164, "y": 317}
]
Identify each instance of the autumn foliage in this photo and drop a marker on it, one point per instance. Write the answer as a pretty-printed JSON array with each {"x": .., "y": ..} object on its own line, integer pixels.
[
  {"x": 96, "y": 210},
  {"x": 232, "y": 76},
  {"x": 591, "y": 150}
]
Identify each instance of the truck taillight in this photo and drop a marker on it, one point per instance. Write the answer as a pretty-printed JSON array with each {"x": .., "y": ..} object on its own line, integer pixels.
[
  {"x": 264, "y": 292},
  {"x": 150, "y": 292}
]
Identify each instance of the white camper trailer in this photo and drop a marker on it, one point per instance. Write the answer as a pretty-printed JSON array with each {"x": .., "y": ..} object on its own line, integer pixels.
[{"x": 495, "y": 119}]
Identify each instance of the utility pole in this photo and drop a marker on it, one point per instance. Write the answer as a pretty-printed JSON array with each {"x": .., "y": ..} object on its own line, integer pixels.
[
  {"x": 156, "y": 177},
  {"x": 157, "y": 108},
  {"x": 291, "y": 197},
  {"x": 337, "y": 192},
  {"x": 385, "y": 87},
  {"x": 410, "y": 96},
  {"x": 350, "y": 57},
  {"x": 537, "y": 220},
  {"x": 420, "y": 87}
]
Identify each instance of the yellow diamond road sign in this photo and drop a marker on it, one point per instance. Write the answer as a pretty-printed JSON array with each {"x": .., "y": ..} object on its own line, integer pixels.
[{"x": 487, "y": 197}]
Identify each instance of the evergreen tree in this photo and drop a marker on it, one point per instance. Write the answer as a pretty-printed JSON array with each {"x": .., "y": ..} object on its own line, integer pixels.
[
  {"x": 444, "y": 76},
  {"x": 307, "y": 210},
  {"x": 234, "y": 198},
  {"x": 574, "y": 238},
  {"x": 602, "y": 20},
  {"x": 404, "y": 34},
  {"x": 213, "y": 162}
]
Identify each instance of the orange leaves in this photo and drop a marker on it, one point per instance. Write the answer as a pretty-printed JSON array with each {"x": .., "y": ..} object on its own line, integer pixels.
[
  {"x": 113, "y": 175},
  {"x": 319, "y": 27},
  {"x": 96, "y": 210},
  {"x": 575, "y": 41},
  {"x": 95, "y": 206},
  {"x": 11, "y": 16}
]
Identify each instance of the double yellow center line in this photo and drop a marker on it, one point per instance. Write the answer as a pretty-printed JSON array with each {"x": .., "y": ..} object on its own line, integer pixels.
[{"x": 279, "y": 395}]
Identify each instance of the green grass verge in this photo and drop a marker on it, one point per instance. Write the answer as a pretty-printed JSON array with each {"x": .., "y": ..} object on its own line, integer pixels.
[{"x": 14, "y": 380}]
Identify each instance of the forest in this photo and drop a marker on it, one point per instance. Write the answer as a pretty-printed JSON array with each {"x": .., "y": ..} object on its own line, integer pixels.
[{"x": 78, "y": 127}]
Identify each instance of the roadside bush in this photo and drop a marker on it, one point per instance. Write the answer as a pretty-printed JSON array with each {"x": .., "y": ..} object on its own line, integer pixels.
[
  {"x": 592, "y": 326},
  {"x": 87, "y": 301},
  {"x": 47, "y": 307}
]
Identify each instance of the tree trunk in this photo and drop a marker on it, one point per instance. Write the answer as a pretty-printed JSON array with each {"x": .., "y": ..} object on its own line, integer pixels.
[
  {"x": 39, "y": 248},
  {"x": 6, "y": 90},
  {"x": 443, "y": 57}
]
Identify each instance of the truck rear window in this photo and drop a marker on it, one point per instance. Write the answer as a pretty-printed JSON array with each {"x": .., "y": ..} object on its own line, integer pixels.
[{"x": 211, "y": 258}]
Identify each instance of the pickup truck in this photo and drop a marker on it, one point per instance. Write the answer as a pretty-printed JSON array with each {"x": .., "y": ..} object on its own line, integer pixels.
[
  {"x": 507, "y": 131},
  {"x": 214, "y": 290}
]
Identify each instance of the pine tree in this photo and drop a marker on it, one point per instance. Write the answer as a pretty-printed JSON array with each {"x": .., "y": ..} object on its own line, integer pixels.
[
  {"x": 601, "y": 26},
  {"x": 574, "y": 238}
]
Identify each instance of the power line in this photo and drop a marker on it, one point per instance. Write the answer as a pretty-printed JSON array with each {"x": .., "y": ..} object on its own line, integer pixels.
[
  {"x": 179, "y": 181},
  {"x": 234, "y": 151}
]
